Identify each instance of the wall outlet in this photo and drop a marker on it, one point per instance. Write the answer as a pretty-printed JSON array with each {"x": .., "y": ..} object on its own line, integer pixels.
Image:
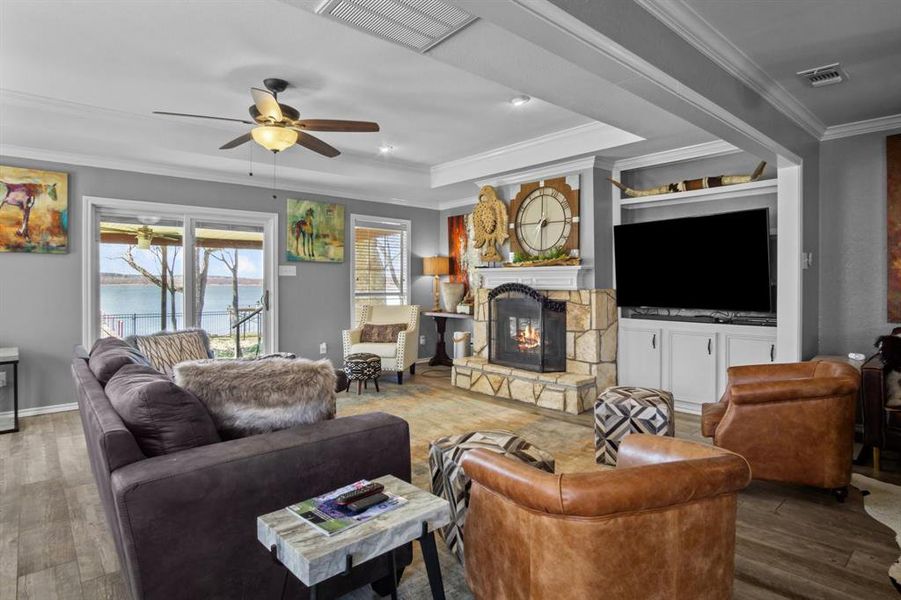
[
  {"x": 2, "y": 378},
  {"x": 323, "y": 348},
  {"x": 422, "y": 340}
]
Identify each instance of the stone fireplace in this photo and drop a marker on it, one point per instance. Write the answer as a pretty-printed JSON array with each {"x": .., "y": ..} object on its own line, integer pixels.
[
  {"x": 590, "y": 344},
  {"x": 526, "y": 330}
]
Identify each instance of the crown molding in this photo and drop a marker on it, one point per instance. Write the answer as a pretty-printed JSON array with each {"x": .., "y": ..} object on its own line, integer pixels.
[
  {"x": 695, "y": 30},
  {"x": 556, "y": 169},
  {"x": 285, "y": 183},
  {"x": 581, "y": 139},
  {"x": 835, "y": 132},
  {"x": 448, "y": 204},
  {"x": 705, "y": 150}
]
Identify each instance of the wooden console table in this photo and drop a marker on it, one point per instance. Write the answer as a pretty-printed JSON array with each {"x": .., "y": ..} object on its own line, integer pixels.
[{"x": 441, "y": 357}]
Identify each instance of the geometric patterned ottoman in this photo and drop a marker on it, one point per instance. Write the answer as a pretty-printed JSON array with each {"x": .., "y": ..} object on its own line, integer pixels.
[
  {"x": 363, "y": 367},
  {"x": 449, "y": 481},
  {"x": 620, "y": 411}
]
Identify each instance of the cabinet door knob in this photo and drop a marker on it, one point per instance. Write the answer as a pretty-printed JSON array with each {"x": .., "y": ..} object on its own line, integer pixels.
[
  {"x": 654, "y": 341},
  {"x": 709, "y": 346}
]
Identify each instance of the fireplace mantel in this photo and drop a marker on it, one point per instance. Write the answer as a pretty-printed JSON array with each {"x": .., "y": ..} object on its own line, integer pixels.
[{"x": 541, "y": 278}]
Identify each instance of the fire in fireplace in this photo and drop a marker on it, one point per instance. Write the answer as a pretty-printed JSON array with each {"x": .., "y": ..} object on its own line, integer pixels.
[{"x": 526, "y": 330}]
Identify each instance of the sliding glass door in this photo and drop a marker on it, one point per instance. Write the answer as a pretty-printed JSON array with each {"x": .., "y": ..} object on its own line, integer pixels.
[{"x": 142, "y": 254}]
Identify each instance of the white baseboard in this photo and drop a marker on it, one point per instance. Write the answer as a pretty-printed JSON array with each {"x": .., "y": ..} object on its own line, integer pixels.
[{"x": 42, "y": 410}]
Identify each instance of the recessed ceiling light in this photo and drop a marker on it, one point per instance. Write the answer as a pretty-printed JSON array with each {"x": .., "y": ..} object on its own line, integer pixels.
[
  {"x": 520, "y": 100},
  {"x": 386, "y": 149}
]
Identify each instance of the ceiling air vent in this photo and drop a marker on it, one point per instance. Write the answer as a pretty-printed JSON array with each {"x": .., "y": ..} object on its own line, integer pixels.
[
  {"x": 823, "y": 76},
  {"x": 416, "y": 24}
]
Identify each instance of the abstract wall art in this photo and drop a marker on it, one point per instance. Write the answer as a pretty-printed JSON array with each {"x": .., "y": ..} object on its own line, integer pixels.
[
  {"x": 893, "y": 201},
  {"x": 315, "y": 231},
  {"x": 34, "y": 211}
]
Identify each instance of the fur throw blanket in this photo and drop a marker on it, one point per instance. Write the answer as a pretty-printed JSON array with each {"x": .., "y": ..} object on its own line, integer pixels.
[{"x": 246, "y": 397}]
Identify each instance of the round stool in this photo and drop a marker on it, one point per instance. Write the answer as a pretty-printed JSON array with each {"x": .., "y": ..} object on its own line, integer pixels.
[
  {"x": 363, "y": 367},
  {"x": 620, "y": 411},
  {"x": 450, "y": 483}
]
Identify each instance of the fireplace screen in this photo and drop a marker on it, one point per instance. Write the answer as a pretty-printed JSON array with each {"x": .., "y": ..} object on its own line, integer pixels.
[{"x": 526, "y": 329}]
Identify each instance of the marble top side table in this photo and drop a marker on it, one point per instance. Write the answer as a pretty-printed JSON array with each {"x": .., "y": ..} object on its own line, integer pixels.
[{"x": 313, "y": 557}]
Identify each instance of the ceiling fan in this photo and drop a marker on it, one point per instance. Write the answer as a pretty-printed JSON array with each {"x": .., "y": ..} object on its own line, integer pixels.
[{"x": 278, "y": 126}]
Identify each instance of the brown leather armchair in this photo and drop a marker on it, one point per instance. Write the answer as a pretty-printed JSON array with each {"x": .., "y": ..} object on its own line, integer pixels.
[
  {"x": 881, "y": 423},
  {"x": 793, "y": 422},
  {"x": 660, "y": 525}
]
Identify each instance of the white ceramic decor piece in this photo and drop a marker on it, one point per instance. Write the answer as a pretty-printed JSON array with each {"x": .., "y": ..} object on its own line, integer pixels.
[{"x": 451, "y": 295}]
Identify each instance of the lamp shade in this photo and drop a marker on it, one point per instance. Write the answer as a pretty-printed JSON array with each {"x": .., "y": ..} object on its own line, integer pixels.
[
  {"x": 274, "y": 138},
  {"x": 435, "y": 265}
]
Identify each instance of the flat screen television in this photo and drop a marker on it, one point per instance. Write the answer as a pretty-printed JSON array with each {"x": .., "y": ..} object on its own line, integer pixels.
[{"x": 711, "y": 262}]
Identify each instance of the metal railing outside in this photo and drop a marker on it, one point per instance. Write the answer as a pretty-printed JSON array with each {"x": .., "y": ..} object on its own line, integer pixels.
[{"x": 215, "y": 323}]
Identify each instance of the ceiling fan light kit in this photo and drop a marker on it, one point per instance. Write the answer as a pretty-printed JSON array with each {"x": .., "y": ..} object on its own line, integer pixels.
[{"x": 274, "y": 138}]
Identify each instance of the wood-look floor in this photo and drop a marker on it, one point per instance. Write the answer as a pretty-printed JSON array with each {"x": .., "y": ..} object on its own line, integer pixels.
[{"x": 792, "y": 542}]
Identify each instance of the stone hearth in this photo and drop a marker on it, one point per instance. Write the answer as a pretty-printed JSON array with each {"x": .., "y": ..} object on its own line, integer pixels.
[{"x": 591, "y": 341}]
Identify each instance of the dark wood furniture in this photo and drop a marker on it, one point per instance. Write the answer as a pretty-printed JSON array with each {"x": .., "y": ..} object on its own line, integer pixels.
[
  {"x": 881, "y": 423},
  {"x": 441, "y": 357}
]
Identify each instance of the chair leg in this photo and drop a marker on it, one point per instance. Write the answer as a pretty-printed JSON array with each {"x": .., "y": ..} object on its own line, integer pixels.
[
  {"x": 413, "y": 369},
  {"x": 840, "y": 494},
  {"x": 876, "y": 460},
  {"x": 400, "y": 378},
  {"x": 376, "y": 382},
  {"x": 359, "y": 387}
]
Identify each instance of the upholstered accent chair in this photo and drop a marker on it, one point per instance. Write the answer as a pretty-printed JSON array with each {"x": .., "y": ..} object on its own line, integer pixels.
[
  {"x": 396, "y": 356},
  {"x": 659, "y": 525},
  {"x": 793, "y": 422}
]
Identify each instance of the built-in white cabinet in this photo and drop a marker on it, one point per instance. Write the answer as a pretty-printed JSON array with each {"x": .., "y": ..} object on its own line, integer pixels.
[
  {"x": 692, "y": 365},
  {"x": 640, "y": 357},
  {"x": 689, "y": 359}
]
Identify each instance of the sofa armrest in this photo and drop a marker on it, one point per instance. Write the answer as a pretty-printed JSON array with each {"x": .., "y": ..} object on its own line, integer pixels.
[
  {"x": 407, "y": 348},
  {"x": 205, "y": 501},
  {"x": 791, "y": 390}
]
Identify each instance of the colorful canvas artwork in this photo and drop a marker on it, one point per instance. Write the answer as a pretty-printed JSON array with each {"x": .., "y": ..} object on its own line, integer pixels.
[
  {"x": 457, "y": 243},
  {"x": 34, "y": 211},
  {"x": 315, "y": 231},
  {"x": 893, "y": 200}
]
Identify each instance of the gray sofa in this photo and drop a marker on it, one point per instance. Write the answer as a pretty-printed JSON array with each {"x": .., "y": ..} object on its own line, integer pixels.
[{"x": 184, "y": 523}]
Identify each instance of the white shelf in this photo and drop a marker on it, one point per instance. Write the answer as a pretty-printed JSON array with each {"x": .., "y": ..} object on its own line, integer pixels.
[{"x": 741, "y": 190}]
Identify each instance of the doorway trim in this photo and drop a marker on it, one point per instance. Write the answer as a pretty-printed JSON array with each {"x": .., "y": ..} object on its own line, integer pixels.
[{"x": 90, "y": 289}]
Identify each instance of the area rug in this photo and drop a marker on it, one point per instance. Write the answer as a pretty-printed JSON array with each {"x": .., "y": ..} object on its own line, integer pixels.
[{"x": 883, "y": 503}]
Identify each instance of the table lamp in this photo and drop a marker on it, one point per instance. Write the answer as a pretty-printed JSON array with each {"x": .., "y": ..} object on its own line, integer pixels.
[{"x": 437, "y": 266}]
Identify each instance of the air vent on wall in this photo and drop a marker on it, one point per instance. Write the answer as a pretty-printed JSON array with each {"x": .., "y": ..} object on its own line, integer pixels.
[
  {"x": 822, "y": 76},
  {"x": 416, "y": 24}
]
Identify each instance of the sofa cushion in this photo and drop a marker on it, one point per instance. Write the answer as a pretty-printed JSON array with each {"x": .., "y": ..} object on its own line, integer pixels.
[
  {"x": 162, "y": 417},
  {"x": 166, "y": 349},
  {"x": 110, "y": 354},
  {"x": 381, "y": 333},
  {"x": 257, "y": 396},
  {"x": 380, "y": 350}
]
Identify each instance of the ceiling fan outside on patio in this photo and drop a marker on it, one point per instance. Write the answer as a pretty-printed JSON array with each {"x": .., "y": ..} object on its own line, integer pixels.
[{"x": 279, "y": 126}]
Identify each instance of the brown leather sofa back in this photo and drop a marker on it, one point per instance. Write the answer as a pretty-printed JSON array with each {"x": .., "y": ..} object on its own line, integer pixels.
[
  {"x": 661, "y": 525},
  {"x": 793, "y": 422}
]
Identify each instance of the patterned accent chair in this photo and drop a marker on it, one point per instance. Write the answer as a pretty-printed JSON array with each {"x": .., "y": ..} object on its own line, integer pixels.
[{"x": 397, "y": 356}]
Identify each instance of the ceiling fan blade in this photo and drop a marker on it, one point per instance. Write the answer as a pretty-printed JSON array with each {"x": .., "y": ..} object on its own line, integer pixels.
[
  {"x": 316, "y": 145},
  {"x": 337, "y": 125},
  {"x": 241, "y": 139},
  {"x": 175, "y": 114},
  {"x": 266, "y": 104}
]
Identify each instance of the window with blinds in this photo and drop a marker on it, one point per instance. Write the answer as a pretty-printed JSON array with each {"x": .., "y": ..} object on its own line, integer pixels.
[{"x": 380, "y": 263}]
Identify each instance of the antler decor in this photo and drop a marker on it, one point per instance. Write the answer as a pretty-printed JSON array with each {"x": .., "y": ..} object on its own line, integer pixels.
[{"x": 693, "y": 184}]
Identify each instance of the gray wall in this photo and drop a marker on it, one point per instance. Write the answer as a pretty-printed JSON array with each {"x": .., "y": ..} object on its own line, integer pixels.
[
  {"x": 40, "y": 295},
  {"x": 852, "y": 252}
]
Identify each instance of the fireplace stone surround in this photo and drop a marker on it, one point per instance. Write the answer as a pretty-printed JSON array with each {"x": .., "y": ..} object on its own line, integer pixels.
[{"x": 591, "y": 344}]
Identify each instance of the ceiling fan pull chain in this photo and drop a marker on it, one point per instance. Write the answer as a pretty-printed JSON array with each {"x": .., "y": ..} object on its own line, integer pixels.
[
  {"x": 274, "y": 174},
  {"x": 251, "y": 160}
]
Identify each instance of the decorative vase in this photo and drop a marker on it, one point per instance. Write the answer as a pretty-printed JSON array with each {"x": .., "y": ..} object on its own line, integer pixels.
[{"x": 451, "y": 294}]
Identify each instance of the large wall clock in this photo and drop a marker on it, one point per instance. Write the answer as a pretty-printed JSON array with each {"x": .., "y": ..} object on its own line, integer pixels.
[{"x": 543, "y": 216}]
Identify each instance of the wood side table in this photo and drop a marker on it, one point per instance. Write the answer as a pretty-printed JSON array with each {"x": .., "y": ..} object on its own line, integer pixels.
[
  {"x": 10, "y": 357},
  {"x": 313, "y": 557},
  {"x": 441, "y": 357}
]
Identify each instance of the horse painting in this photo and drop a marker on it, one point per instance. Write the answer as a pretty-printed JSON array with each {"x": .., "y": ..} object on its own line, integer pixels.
[
  {"x": 314, "y": 231},
  {"x": 304, "y": 234},
  {"x": 33, "y": 210}
]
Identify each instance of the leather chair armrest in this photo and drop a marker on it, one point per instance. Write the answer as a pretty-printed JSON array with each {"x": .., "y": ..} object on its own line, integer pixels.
[
  {"x": 770, "y": 372},
  {"x": 792, "y": 390},
  {"x": 711, "y": 415}
]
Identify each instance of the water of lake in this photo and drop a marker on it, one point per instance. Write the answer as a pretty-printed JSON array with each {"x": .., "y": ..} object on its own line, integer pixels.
[{"x": 145, "y": 300}]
